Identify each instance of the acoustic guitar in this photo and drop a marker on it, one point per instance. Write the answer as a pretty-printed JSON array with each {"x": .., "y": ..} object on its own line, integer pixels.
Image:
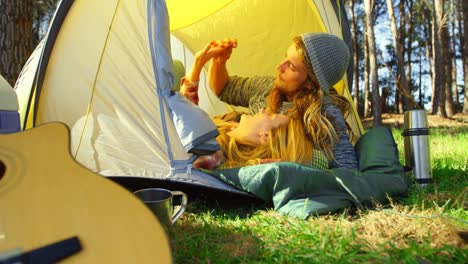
[{"x": 46, "y": 197}]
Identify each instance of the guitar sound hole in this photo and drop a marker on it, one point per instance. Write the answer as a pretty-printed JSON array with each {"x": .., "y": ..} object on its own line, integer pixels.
[{"x": 2, "y": 169}]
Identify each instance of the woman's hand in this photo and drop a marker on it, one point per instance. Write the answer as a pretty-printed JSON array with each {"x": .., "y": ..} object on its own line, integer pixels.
[
  {"x": 209, "y": 162},
  {"x": 189, "y": 89}
]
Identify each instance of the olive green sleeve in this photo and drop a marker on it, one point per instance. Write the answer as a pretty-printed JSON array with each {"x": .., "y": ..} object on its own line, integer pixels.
[{"x": 240, "y": 90}]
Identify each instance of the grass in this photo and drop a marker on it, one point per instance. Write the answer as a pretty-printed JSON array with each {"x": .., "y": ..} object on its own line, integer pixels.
[{"x": 423, "y": 228}]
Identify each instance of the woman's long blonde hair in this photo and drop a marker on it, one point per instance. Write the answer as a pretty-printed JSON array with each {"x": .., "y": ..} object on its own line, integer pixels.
[
  {"x": 285, "y": 143},
  {"x": 307, "y": 107}
]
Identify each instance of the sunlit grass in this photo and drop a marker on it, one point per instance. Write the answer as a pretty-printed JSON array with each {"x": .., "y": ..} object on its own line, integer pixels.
[
  {"x": 448, "y": 146},
  {"x": 449, "y": 161},
  {"x": 422, "y": 228}
]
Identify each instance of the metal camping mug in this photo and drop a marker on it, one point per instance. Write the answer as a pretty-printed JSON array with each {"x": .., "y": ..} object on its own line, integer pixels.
[
  {"x": 159, "y": 201},
  {"x": 416, "y": 141}
]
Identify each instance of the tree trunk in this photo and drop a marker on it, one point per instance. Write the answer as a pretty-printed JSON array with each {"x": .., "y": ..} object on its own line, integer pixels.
[
  {"x": 401, "y": 42},
  {"x": 409, "y": 51},
  {"x": 420, "y": 101},
  {"x": 376, "y": 106},
  {"x": 447, "y": 61},
  {"x": 465, "y": 54},
  {"x": 398, "y": 103},
  {"x": 438, "y": 106},
  {"x": 16, "y": 37},
  {"x": 367, "y": 103},
  {"x": 428, "y": 38},
  {"x": 453, "y": 11},
  {"x": 398, "y": 43},
  {"x": 355, "y": 54},
  {"x": 447, "y": 66}
]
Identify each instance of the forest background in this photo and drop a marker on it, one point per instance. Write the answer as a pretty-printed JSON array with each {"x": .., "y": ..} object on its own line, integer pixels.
[{"x": 407, "y": 54}]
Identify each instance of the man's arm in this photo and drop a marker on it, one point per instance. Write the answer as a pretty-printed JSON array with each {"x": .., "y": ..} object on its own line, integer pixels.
[
  {"x": 219, "y": 52},
  {"x": 218, "y": 75}
]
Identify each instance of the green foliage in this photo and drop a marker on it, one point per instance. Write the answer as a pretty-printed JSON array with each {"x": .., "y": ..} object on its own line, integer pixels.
[
  {"x": 210, "y": 234},
  {"x": 43, "y": 10}
]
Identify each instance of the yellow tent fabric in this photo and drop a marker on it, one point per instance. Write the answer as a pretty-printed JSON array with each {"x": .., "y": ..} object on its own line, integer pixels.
[
  {"x": 96, "y": 73},
  {"x": 264, "y": 30},
  {"x": 183, "y": 13}
]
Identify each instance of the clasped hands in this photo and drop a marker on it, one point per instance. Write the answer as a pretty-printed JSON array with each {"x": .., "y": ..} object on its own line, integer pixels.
[{"x": 218, "y": 50}]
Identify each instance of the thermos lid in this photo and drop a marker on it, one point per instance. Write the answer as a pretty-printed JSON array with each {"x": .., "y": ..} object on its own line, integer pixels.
[{"x": 415, "y": 119}]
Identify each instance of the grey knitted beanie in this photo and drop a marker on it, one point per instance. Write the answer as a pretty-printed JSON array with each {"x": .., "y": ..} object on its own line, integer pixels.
[{"x": 329, "y": 57}]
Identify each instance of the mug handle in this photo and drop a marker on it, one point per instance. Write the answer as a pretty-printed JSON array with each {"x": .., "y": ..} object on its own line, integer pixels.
[{"x": 183, "y": 205}]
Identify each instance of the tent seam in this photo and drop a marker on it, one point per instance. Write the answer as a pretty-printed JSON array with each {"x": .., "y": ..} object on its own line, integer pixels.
[
  {"x": 153, "y": 51},
  {"x": 88, "y": 111}
]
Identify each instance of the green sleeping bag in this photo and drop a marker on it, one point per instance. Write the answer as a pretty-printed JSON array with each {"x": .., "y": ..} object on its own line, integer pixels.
[{"x": 302, "y": 191}]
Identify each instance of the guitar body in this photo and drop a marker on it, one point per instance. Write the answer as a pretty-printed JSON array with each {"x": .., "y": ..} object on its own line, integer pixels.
[{"x": 45, "y": 196}]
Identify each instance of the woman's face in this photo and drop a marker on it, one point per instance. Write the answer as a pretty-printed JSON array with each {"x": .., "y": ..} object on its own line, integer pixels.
[
  {"x": 254, "y": 129},
  {"x": 292, "y": 74}
]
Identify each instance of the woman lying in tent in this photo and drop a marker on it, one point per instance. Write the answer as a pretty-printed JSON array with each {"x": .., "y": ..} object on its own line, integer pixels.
[
  {"x": 261, "y": 138},
  {"x": 314, "y": 108}
]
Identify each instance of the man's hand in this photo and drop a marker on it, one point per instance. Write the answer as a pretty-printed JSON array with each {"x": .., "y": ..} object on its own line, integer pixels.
[
  {"x": 221, "y": 49},
  {"x": 218, "y": 49}
]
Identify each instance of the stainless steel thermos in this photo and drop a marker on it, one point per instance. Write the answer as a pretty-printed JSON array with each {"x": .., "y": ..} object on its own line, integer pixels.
[{"x": 416, "y": 141}]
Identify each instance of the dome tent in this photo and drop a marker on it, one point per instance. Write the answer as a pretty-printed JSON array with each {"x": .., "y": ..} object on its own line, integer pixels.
[{"x": 105, "y": 70}]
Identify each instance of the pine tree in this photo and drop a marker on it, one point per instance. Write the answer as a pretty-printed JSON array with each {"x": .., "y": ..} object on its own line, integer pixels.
[
  {"x": 369, "y": 7},
  {"x": 16, "y": 36}
]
